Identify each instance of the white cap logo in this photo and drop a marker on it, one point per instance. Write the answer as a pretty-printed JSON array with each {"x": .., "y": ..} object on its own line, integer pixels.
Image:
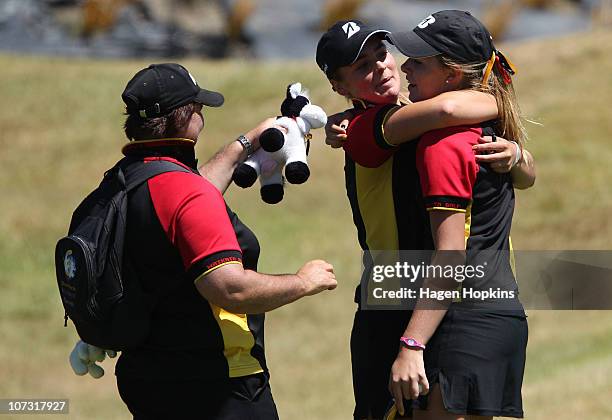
[
  {"x": 350, "y": 29},
  {"x": 426, "y": 22},
  {"x": 192, "y": 79}
]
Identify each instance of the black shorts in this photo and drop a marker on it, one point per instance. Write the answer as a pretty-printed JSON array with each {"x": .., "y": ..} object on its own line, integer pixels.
[
  {"x": 478, "y": 358},
  {"x": 247, "y": 397},
  {"x": 374, "y": 346}
]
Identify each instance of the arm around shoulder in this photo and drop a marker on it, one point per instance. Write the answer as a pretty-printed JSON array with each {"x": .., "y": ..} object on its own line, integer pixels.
[{"x": 463, "y": 107}]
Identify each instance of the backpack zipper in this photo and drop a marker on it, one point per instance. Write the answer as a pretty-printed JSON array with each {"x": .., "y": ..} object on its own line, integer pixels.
[{"x": 91, "y": 305}]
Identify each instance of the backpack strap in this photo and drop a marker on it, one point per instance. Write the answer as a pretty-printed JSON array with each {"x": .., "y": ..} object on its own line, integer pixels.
[{"x": 138, "y": 172}]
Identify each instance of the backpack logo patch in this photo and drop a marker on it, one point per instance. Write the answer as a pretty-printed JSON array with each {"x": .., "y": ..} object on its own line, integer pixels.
[
  {"x": 70, "y": 264},
  {"x": 350, "y": 29}
]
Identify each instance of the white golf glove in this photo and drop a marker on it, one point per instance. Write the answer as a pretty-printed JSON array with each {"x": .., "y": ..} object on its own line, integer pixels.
[{"x": 84, "y": 356}]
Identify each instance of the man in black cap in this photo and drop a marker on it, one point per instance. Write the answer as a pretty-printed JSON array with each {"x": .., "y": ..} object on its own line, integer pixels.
[
  {"x": 161, "y": 88},
  {"x": 204, "y": 354}
]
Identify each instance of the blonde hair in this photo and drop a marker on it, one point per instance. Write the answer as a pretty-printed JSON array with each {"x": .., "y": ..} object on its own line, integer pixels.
[{"x": 510, "y": 124}]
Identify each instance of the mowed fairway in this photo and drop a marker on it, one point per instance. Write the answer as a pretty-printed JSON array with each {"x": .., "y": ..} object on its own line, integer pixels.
[{"x": 61, "y": 127}]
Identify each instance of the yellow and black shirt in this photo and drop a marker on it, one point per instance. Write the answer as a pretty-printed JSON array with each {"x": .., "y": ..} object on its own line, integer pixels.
[
  {"x": 382, "y": 184},
  {"x": 452, "y": 180},
  {"x": 179, "y": 230},
  {"x": 392, "y": 188}
]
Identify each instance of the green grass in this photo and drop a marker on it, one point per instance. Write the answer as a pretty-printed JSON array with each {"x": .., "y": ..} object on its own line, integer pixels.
[{"x": 60, "y": 127}]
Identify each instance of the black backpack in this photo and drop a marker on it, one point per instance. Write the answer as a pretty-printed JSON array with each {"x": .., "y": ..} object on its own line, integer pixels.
[{"x": 99, "y": 290}]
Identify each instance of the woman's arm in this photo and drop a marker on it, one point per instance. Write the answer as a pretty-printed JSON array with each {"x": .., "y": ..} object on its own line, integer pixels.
[
  {"x": 410, "y": 121},
  {"x": 220, "y": 168},
  {"x": 524, "y": 173},
  {"x": 448, "y": 109},
  {"x": 247, "y": 292},
  {"x": 408, "y": 379},
  {"x": 502, "y": 154}
]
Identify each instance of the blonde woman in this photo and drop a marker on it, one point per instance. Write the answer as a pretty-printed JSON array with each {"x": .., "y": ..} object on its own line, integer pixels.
[{"x": 468, "y": 355}]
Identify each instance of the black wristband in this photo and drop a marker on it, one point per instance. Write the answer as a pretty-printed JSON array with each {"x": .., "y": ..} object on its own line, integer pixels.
[{"x": 246, "y": 144}]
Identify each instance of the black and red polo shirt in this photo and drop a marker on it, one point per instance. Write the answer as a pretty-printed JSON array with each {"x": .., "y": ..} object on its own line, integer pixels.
[
  {"x": 180, "y": 229},
  {"x": 382, "y": 185},
  {"x": 452, "y": 180},
  {"x": 443, "y": 164}
]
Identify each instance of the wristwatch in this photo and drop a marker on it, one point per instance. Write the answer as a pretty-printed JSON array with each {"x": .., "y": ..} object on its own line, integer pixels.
[
  {"x": 411, "y": 343},
  {"x": 246, "y": 144}
]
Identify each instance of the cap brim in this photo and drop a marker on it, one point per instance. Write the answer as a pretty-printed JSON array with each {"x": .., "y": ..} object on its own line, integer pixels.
[
  {"x": 367, "y": 37},
  {"x": 412, "y": 45},
  {"x": 209, "y": 98}
]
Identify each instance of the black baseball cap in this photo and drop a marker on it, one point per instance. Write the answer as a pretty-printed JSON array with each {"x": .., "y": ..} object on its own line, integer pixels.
[
  {"x": 455, "y": 33},
  {"x": 342, "y": 43},
  {"x": 161, "y": 88}
]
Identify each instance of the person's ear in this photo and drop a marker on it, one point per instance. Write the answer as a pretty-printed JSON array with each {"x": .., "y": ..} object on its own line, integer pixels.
[
  {"x": 195, "y": 116},
  {"x": 454, "y": 78}
]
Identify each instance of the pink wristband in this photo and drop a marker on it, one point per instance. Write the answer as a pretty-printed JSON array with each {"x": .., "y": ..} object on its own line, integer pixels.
[{"x": 412, "y": 343}]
